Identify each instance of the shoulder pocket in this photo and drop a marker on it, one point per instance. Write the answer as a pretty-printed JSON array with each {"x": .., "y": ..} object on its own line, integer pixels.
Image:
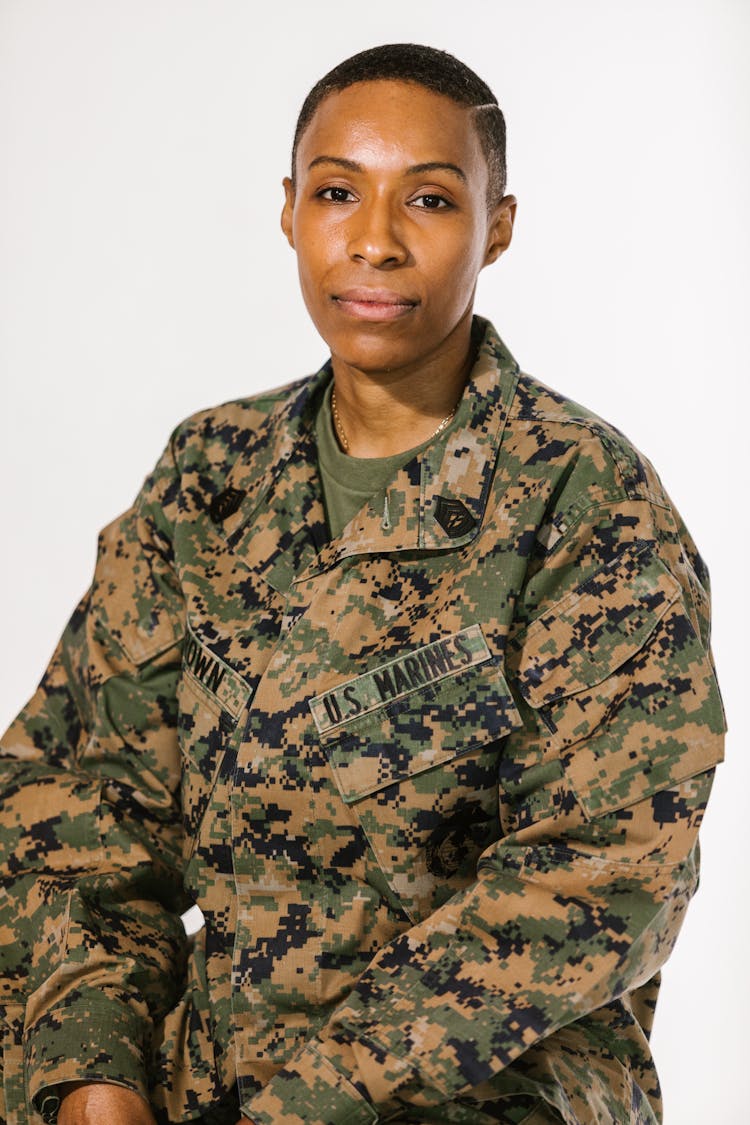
[
  {"x": 137, "y": 611},
  {"x": 622, "y": 682},
  {"x": 587, "y": 635}
]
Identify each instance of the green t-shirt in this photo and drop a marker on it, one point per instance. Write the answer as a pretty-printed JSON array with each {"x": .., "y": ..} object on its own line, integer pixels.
[{"x": 349, "y": 482}]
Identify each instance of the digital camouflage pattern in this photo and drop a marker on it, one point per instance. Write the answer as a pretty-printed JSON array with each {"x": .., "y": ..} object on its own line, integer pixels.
[{"x": 436, "y": 787}]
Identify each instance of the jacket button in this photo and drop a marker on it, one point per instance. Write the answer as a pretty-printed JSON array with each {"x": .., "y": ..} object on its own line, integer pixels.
[
  {"x": 49, "y": 1108},
  {"x": 460, "y": 837}
]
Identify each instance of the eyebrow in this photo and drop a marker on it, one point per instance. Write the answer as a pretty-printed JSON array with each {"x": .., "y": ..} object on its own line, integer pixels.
[{"x": 413, "y": 170}]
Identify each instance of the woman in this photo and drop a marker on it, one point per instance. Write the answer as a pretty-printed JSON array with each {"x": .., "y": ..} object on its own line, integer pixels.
[{"x": 400, "y": 673}]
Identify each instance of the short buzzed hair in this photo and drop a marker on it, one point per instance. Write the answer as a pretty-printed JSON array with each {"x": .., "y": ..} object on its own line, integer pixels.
[{"x": 435, "y": 70}]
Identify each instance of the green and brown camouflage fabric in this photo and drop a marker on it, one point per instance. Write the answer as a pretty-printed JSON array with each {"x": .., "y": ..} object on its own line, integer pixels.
[{"x": 436, "y": 786}]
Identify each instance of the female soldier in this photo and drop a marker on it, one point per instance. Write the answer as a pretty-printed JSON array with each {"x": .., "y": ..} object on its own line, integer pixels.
[{"x": 401, "y": 674}]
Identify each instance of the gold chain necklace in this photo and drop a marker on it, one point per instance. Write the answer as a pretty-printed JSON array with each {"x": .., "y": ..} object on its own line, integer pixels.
[{"x": 341, "y": 432}]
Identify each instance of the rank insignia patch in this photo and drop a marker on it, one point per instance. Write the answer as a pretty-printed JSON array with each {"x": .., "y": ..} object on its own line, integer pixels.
[
  {"x": 225, "y": 504},
  {"x": 453, "y": 516}
]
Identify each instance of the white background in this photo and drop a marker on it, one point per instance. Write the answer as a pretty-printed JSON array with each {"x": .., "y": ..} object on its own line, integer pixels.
[{"x": 143, "y": 275}]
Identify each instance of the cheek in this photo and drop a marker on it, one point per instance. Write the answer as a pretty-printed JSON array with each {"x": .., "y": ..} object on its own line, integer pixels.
[
  {"x": 315, "y": 257},
  {"x": 314, "y": 237},
  {"x": 459, "y": 268}
]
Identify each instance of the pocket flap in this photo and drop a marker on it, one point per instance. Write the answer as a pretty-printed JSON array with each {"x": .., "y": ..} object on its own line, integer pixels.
[
  {"x": 609, "y": 772},
  {"x": 591, "y": 632},
  {"x": 422, "y": 730}
]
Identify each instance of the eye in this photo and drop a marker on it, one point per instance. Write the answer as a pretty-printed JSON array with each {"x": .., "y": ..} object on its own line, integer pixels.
[
  {"x": 430, "y": 201},
  {"x": 336, "y": 195}
]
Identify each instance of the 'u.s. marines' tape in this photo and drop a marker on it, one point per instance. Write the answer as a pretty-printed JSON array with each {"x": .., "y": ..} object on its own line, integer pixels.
[{"x": 399, "y": 677}]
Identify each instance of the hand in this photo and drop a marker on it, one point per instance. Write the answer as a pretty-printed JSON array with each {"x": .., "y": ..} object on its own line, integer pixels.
[{"x": 102, "y": 1103}]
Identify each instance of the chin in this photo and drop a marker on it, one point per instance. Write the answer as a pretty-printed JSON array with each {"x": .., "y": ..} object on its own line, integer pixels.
[
  {"x": 375, "y": 360},
  {"x": 373, "y": 350}
]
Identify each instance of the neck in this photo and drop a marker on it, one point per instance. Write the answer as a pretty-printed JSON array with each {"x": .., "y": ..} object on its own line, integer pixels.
[{"x": 387, "y": 412}]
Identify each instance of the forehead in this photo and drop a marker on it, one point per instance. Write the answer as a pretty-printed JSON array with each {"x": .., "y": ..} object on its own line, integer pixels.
[{"x": 392, "y": 122}]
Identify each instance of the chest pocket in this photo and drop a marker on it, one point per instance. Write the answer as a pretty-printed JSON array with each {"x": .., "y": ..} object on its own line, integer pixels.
[
  {"x": 211, "y": 697},
  {"x": 421, "y": 775},
  {"x": 625, "y": 689}
]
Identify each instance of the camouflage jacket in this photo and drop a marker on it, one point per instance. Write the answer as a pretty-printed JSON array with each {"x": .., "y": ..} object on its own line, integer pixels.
[{"x": 435, "y": 785}]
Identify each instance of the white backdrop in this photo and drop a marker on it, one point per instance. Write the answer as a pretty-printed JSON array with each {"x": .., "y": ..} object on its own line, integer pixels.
[{"x": 143, "y": 275}]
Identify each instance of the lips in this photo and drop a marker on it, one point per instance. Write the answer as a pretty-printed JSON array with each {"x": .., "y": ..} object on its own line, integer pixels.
[{"x": 374, "y": 304}]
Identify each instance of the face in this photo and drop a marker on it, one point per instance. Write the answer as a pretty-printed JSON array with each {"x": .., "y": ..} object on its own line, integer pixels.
[{"x": 390, "y": 223}]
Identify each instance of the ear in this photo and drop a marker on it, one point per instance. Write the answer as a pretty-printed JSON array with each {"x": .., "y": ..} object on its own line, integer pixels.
[
  {"x": 500, "y": 228},
  {"x": 287, "y": 211}
]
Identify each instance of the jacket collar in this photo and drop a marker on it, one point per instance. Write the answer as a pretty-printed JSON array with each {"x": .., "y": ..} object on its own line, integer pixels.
[{"x": 436, "y": 501}]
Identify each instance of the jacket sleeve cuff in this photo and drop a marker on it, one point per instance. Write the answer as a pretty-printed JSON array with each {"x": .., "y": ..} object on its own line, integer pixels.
[
  {"x": 96, "y": 1039},
  {"x": 310, "y": 1091}
]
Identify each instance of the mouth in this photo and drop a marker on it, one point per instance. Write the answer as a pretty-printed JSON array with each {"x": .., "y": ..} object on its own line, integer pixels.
[{"x": 374, "y": 304}]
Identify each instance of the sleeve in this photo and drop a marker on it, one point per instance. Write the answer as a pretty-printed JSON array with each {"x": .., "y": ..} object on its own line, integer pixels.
[
  {"x": 91, "y": 841},
  {"x": 602, "y": 787}
]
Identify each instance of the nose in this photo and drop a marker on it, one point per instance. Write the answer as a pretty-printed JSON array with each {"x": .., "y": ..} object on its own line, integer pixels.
[{"x": 376, "y": 236}]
